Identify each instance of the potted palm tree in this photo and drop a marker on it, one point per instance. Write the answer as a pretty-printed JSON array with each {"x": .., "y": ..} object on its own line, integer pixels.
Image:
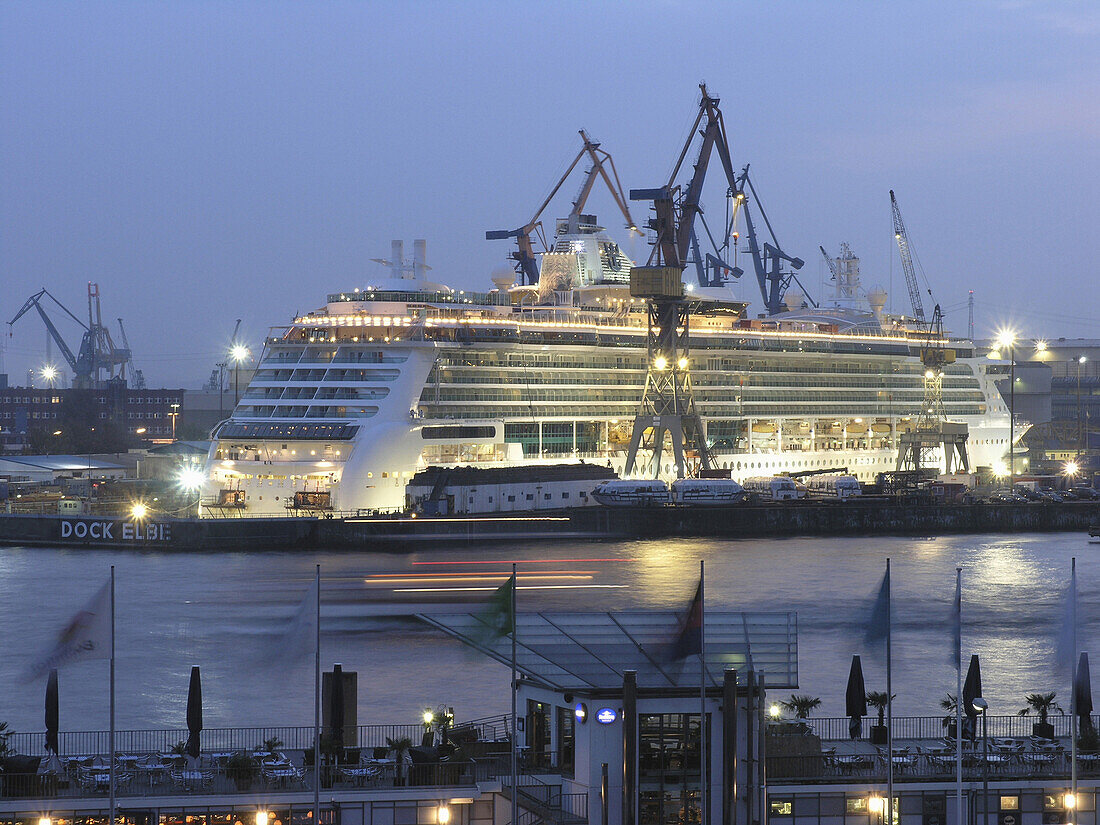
[
  {"x": 242, "y": 768},
  {"x": 950, "y": 719},
  {"x": 1043, "y": 705},
  {"x": 801, "y": 706},
  {"x": 879, "y": 700},
  {"x": 400, "y": 748}
]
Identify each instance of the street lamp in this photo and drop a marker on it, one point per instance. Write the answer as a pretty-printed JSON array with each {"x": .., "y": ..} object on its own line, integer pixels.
[
  {"x": 982, "y": 706},
  {"x": 1006, "y": 339},
  {"x": 175, "y": 412},
  {"x": 237, "y": 353},
  {"x": 1080, "y": 430},
  {"x": 49, "y": 374}
]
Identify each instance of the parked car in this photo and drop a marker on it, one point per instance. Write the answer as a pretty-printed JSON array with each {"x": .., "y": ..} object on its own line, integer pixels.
[
  {"x": 1085, "y": 493},
  {"x": 1028, "y": 493},
  {"x": 1006, "y": 498},
  {"x": 1051, "y": 496}
]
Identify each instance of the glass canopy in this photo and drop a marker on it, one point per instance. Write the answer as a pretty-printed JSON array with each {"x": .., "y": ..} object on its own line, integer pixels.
[{"x": 575, "y": 651}]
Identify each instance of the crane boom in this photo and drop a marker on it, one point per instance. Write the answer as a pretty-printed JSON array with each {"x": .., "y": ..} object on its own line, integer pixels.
[
  {"x": 902, "y": 237},
  {"x": 829, "y": 260},
  {"x": 524, "y": 255},
  {"x": 35, "y": 301}
]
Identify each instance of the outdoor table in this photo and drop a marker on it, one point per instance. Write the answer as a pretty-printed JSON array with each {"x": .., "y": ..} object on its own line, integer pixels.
[
  {"x": 850, "y": 763},
  {"x": 361, "y": 774},
  {"x": 281, "y": 773},
  {"x": 128, "y": 760}
]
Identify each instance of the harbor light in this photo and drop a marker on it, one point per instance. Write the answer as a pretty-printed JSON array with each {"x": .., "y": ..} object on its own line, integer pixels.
[
  {"x": 1000, "y": 468},
  {"x": 190, "y": 478},
  {"x": 428, "y": 717},
  {"x": 1040, "y": 346},
  {"x": 261, "y": 817},
  {"x": 44, "y": 820},
  {"x": 1071, "y": 468},
  {"x": 875, "y": 804},
  {"x": 1070, "y": 801},
  {"x": 139, "y": 511},
  {"x": 48, "y": 374},
  {"x": 683, "y": 363},
  {"x": 660, "y": 362},
  {"x": 1006, "y": 338},
  {"x": 443, "y": 815},
  {"x": 774, "y": 711},
  {"x": 238, "y": 352}
]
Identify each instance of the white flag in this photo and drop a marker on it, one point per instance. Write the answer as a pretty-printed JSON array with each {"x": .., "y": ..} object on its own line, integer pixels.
[
  {"x": 298, "y": 636},
  {"x": 86, "y": 636}
]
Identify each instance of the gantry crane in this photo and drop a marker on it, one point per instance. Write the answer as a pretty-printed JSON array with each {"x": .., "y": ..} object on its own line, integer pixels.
[
  {"x": 933, "y": 431},
  {"x": 668, "y": 404},
  {"x": 98, "y": 360},
  {"x": 904, "y": 247},
  {"x": 527, "y": 266}
]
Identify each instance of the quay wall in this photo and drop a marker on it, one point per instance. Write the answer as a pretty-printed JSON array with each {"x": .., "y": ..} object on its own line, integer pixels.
[{"x": 401, "y": 534}]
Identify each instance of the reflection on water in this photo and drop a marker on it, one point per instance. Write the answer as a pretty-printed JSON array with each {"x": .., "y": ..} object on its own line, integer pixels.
[{"x": 218, "y": 610}]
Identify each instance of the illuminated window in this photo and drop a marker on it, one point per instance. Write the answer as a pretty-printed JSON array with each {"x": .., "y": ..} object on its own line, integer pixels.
[
  {"x": 1010, "y": 803},
  {"x": 782, "y": 807}
]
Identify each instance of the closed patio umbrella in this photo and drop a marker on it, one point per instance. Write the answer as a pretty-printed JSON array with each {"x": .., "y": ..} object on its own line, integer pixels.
[
  {"x": 972, "y": 689},
  {"x": 194, "y": 713},
  {"x": 336, "y": 708},
  {"x": 1082, "y": 694},
  {"x": 855, "y": 699},
  {"x": 51, "y": 713}
]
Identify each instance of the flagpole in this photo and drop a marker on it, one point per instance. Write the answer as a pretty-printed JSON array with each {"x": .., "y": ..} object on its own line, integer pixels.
[
  {"x": 515, "y": 779},
  {"x": 111, "y": 735},
  {"x": 958, "y": 697},
  {"x": 889, "y": 708},
  {"x": 1073, "y": 687},
  {"x": 317, "y": 702},
  {"x": 704, "y": 764}
]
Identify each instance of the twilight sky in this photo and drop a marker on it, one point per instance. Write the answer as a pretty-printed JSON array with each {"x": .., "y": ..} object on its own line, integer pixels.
[{"x": 208, "y": 161}]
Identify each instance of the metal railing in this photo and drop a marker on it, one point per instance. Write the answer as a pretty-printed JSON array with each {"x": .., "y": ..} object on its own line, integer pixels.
[
  {"x": 162, "y": 741},
  {"x": 925, "y": 767},
  {"x": 835, "y": 729},
  {"x": 151, "y": 779}
]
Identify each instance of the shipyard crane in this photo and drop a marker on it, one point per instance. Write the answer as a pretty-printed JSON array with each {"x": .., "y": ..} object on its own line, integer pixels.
[
  {"x": 97, "y": 353},
  {"x": 933, "y": 431},
  {"x": 668, "y": 403},
  {"x": 138, "y": 375},
  {"x": 775, "y": 269},
  {"x": 904, "y": 247},
  {"x": 526, "y": 263}
]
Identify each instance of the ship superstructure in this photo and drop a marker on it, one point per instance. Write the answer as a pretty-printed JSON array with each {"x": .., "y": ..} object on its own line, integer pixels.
[{"x": 350, "y": 400}]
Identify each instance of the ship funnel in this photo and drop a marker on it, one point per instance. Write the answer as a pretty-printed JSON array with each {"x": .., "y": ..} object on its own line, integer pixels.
[
  {"x": 877, "y": 299},
  {"x": 397, "y": 259},
  {"x": 420, "y": 256}
]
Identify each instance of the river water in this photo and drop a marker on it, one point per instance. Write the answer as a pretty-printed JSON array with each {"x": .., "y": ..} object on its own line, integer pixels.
[{"x": 222, "y": 610}]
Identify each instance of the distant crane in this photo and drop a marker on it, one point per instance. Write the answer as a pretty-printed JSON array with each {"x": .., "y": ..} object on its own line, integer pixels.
[
  {"x": 830, "y": 261},
  {"x": 902, "y": 237},
  {"x": 98, "y": 360},
  {"x": 138, "y": 375},
  {"x": 527, "y": 265}
]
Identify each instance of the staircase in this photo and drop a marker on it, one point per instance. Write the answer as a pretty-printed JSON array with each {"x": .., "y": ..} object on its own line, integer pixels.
[{"x": 541, "y": 803}]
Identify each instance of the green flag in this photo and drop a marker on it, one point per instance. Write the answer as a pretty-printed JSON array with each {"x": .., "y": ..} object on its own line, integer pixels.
[{"x": 498, "y": 616}]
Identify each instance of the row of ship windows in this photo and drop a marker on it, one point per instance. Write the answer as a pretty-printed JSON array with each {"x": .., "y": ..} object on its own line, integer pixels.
[
  {"x": 314, "y": 393},
  {"x": 329, "y": 356},
  {"x": 877, "y": 366},
  {"x": 757, "y": 382},
  {"x": 625, "y": 410},
  {"x": 305, "y": 411},
  {"x": 326, "y": 375},
  {"x": 522, "y": 395}
]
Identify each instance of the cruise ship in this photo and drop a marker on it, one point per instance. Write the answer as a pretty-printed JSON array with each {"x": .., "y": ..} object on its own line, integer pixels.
[{"x": 350, "y": 400}]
